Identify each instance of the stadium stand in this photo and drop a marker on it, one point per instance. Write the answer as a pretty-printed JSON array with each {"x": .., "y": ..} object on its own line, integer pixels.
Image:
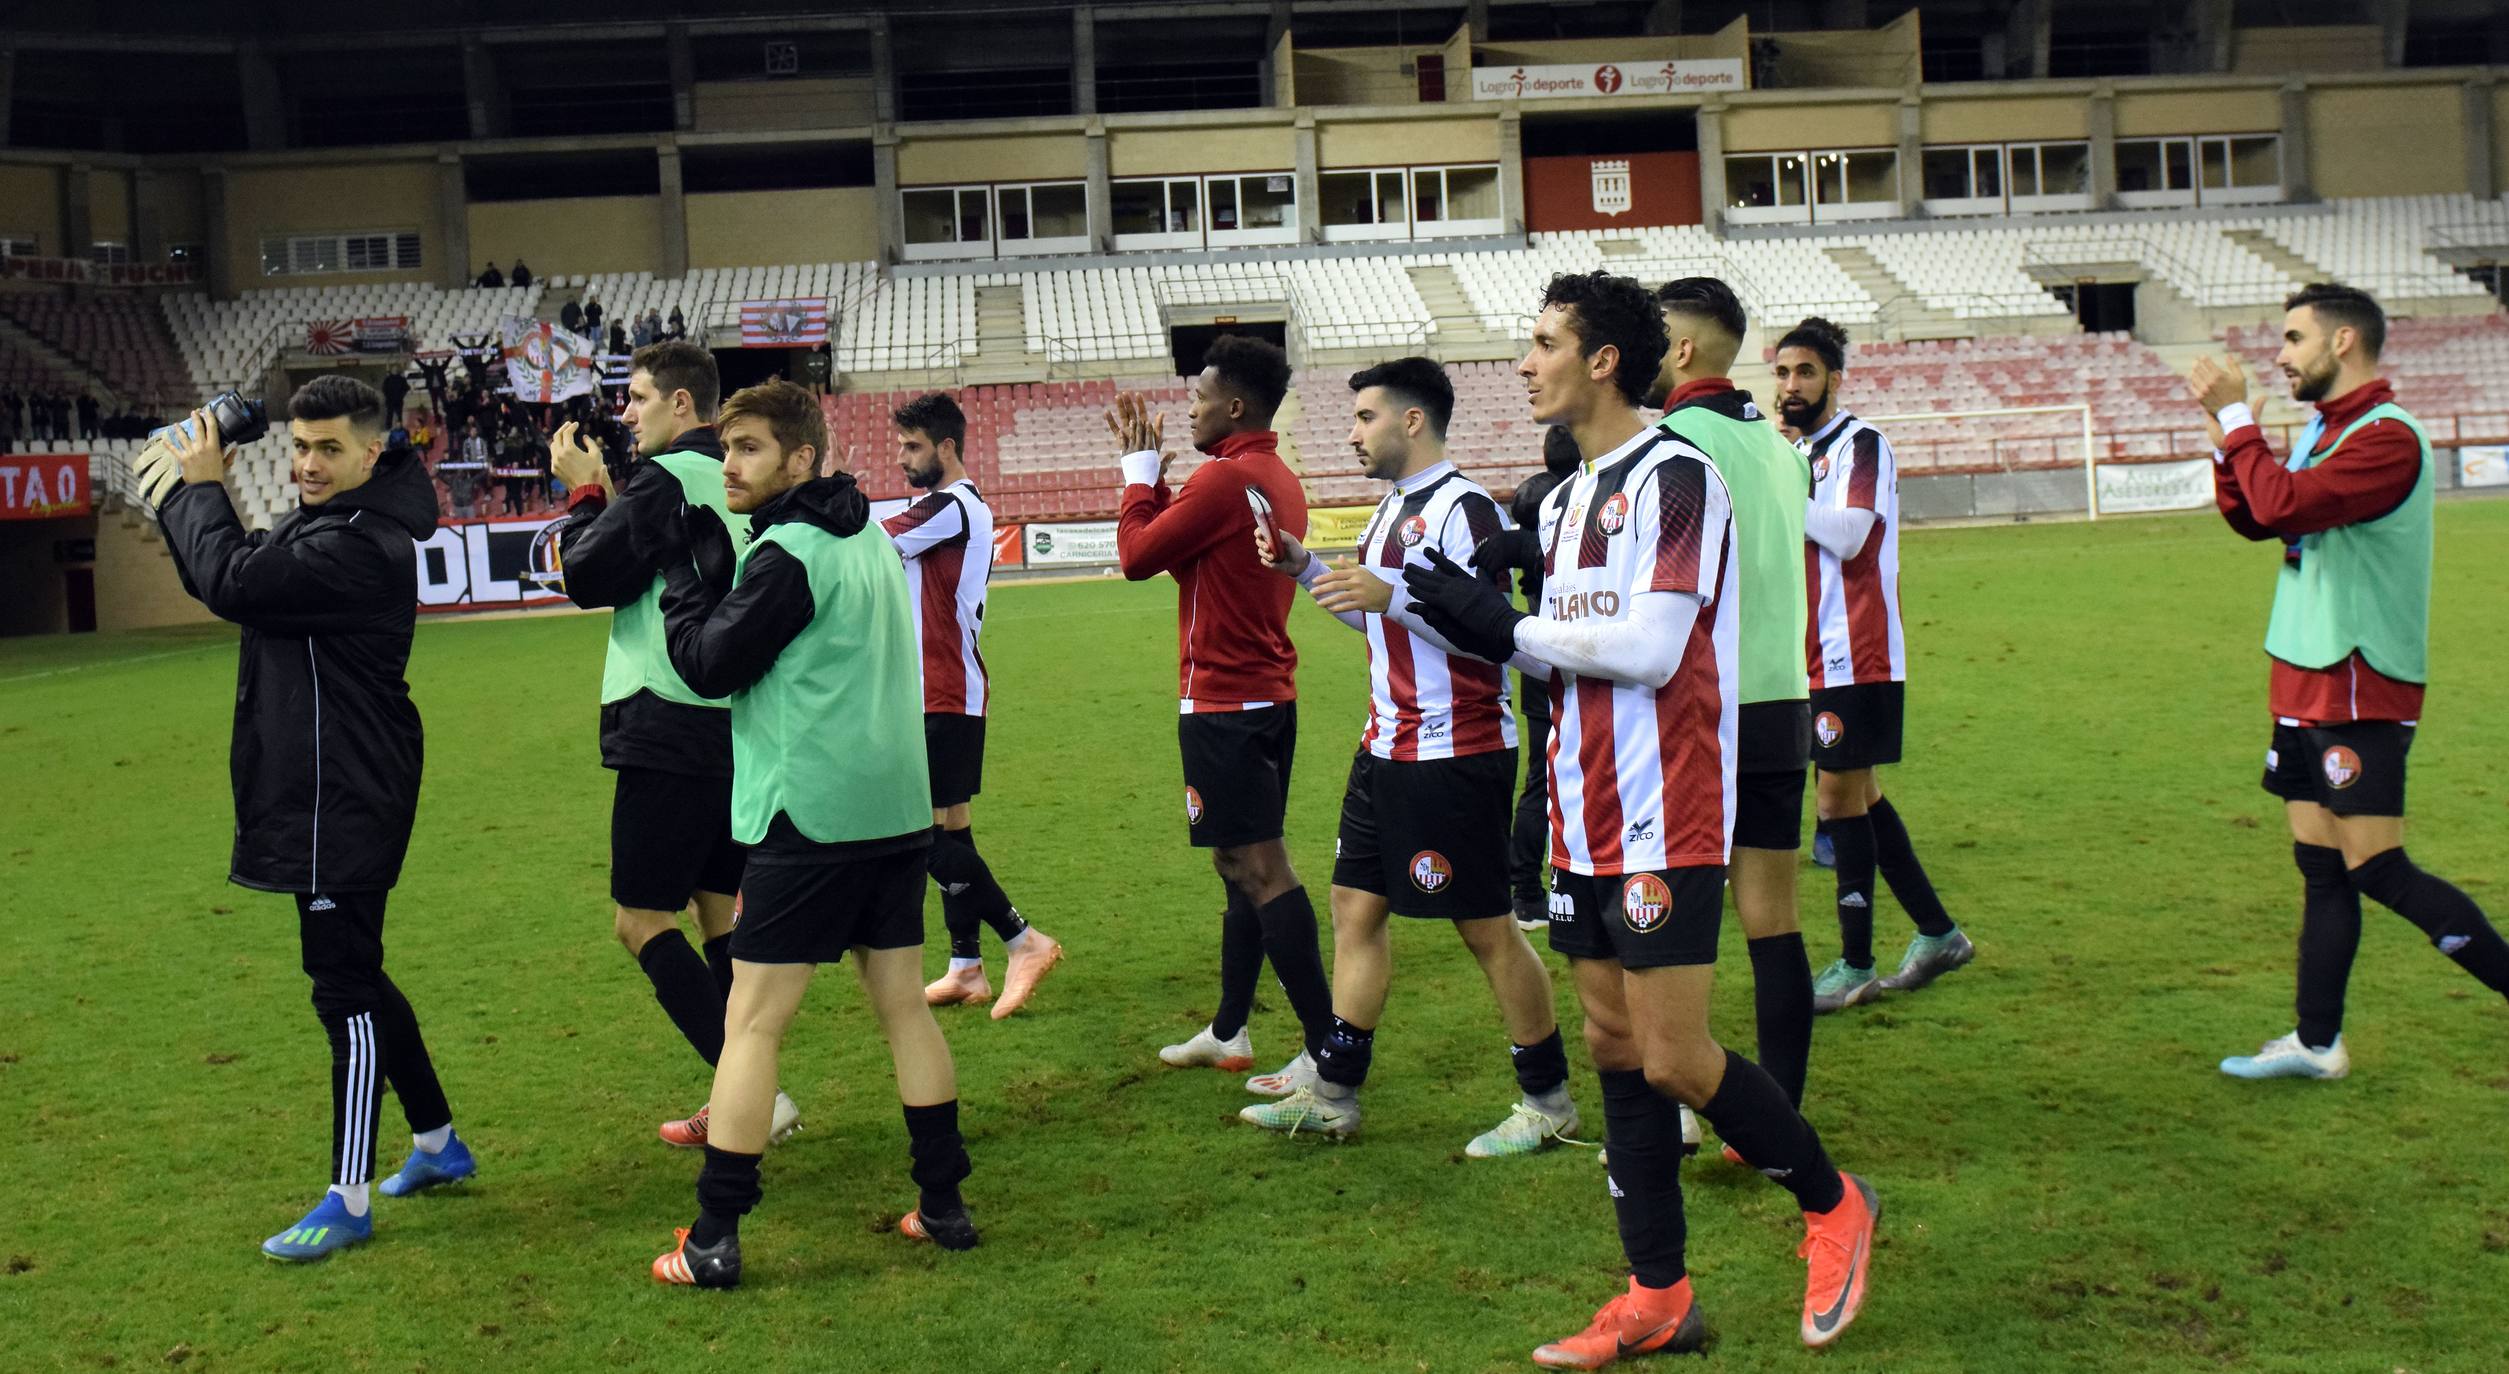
[
  {"x": 230, "y": 343},
  {"x": 118, "y": 338}
]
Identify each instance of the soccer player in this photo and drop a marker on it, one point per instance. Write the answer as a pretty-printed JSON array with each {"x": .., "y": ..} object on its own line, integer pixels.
[
  {"x": 946, "y": 539},
  {"x": 326, "y": 755},
  {"x": 1237, "y": 714},
  {"x": 1639, "y": 633},
  {"x": 815, "y": 646},
  {"x": 671, "y": 843},
  {"x": 2347, "y": 638},
  {"x": 1859, "y": 667},
  {"x": 1425, "y": 813},
  {"x": 1768, "y": 481}
]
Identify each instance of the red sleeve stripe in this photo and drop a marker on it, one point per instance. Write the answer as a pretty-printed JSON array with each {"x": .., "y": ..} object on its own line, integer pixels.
[
  {"x": 1864, "y": 477},
  {"x": 1681, "y": 503}
]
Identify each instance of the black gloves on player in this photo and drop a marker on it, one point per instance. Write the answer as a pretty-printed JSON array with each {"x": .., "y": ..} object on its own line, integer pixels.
[
  {"x": 1510, "y": 550},
  {"x": 663, "y": 525},
  {"x": 1473, "y": 615}
]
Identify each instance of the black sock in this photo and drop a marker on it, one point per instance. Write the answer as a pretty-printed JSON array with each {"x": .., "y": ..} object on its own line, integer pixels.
[
  {"x": 2330, "y": 934},
  {"x": 1541, "y": 1067},
  {"x": 954, "y": 870},
  {"x": 2439, "y": 910},
  {"x": 356, "y": 1093},
  {"x": 1853, "y": 837},
  {"x": 1343, "y": 1058},
  {"x": 1642, "y": 1141},
  {"x": 686, "y": 990},
  {"x": 1781, "y": 993},
  {"x": 1241, "y": 963},
  {"x": 1752, "y": 1114},
  {"x": 727, "y": 1187},
  {"x": 1004, "y": 919},
  {"x": 1289, "y": 941},
  {"x": 406, "y": 1064},
  {"x": 719, "y": 963},
  {"x": 939, "y": 1156},
  {"x": 1897, "y": 859}
]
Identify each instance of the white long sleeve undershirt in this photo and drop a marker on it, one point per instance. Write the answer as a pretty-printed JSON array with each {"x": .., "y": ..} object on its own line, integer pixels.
[
  {"x": 1842, "y": 532},
  {"x": 1400, "y": 612},
  {"x": 1644, "y": 649}
]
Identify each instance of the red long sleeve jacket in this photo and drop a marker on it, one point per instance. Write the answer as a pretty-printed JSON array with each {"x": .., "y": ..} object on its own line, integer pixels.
[
  {"x": 1232, "y": 613},
  {"x": 2365, "y": 479}
]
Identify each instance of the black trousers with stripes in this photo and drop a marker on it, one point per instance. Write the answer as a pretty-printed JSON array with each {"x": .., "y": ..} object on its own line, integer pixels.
[{"x": 374, "y": 1034}]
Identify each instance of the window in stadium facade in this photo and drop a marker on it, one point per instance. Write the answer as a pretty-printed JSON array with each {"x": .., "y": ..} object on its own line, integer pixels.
[
  {"x": 109, "y": 252},
  {"x": 1007, "y": 220},
  {"x": 1381, "y": 203},
  {"x": 1252, "y": 209},
  {"x": 367, "y": 250},
  {"x": 1818, "y": 185},
  {"x": 2048, "y": 176},
  {"x": 2005, "y": 178},
  {"x": 16, "y": 245},
  {"x": 2206, "y": 169}
]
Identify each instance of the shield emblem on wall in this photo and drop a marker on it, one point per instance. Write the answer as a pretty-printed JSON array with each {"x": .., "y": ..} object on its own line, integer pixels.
[{"x": 1611, "y": 186}]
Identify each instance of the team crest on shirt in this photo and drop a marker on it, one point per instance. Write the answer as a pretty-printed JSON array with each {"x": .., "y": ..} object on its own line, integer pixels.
[
  {"x": 1827, "y": 728},
  {"x": 1413, "y": 531},
  {"x": 1645, "y": 902},
  {"x": 1193, "y": 807},
  {"x": 1820, "y": 468},
  {"x": 1430, "y": 872},
  {"x": 1614, "y": 513},
  {"x": 2343, "y": 767}
]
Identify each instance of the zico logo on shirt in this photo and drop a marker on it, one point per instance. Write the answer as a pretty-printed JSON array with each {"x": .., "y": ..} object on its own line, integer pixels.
[
  {"x": 2343, "y": 767},
  {"x": 1414, "y": 530},
  {"x": 1430, "y": 872},
  {"x": 1193, "y": 807},
  {"x": 1578, "y": 605},
  {"x": 1645, "y": 902}
]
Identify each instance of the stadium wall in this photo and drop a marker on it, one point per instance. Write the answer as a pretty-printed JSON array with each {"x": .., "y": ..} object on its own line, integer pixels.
[
  {"x": 2003, "y": 119},
  {"x": 2313, "y": 48},
  {"x": 304, "y": 198},
  {"x": 584, "y": 234},
  {"x": 1861, "y": 119},
  {"x": 1268, "y": 146},
  {"x": 722, "y": 107},
  {"x": 991, "y": 157},
  {"x": 2386, "y": 139},
  {"x": 774, "y": 228},
  {"x": 32, "y": 194}
]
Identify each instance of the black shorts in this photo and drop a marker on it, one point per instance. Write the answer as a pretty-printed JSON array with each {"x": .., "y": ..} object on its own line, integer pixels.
[
  {"x": 811, "y": 913},
  {"x": 670, "y": 839},
  {"x": 1644, "y": 920},
  {"x": 954, "y": 746},
  {"x": 1429, "y": 836},
  {"x": 1237, "y": 773},
  {"x": 1857, "y": 727},
  {"x": 1768, "y": 810},
  {"x": 2352, "y": 769}
]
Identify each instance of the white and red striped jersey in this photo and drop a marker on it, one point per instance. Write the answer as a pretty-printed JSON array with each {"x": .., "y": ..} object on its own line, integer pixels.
[
  {"x": 1643, "y": 778},
  {"x": 947, "y": 541},
  {"x": 1853, "y": 634},
  {"x": 1424, "y": 702}
]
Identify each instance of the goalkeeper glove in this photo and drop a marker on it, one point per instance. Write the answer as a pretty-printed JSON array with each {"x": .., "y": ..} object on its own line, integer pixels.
[
  {"x": 1471, "y": 614},
  {"x": 710, "y": 548},
  {"x": 1515, "y": 550},
  {"x": 156, "y": 475}
]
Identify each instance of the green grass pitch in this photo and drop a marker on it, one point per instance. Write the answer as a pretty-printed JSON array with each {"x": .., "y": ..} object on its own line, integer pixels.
[{"x": 2066, "y": 1181}]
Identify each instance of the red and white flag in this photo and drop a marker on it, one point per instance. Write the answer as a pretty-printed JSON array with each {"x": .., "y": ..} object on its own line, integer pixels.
[
  {"x": 801, "y": 323},
  {"x": 545, "y": 363},
  {"x": 330, "y": 336}
]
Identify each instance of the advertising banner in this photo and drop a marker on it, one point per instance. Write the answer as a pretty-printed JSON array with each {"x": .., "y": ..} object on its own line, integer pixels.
[
  {"x": 85, "y": 273},
  {"x": 1585, "y": 81},
  {"x": 43, "y": 486},
  {"x": 487, "y": 565},
  {"x": 2133, "y": 488},
  {"x": 382, "y": 333},
  {"x": 2483, "y": 467},
  {"x": 1007, "y": 546},
  {"x": 1090, "y": 541},
  {"x": 1337, "y": 527}
]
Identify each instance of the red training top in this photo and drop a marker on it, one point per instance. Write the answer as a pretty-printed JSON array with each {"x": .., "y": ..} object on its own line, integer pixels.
[
  {"x": 1232, "y": 613},
  {"x": 2367, "y": 478}
]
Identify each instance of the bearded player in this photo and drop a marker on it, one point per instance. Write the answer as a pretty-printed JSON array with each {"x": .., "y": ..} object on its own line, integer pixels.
[
  {"x": 2348, "y": 639},
  {"x": 946, "y": 539},
  {"x": 1859, "y": 666}
]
